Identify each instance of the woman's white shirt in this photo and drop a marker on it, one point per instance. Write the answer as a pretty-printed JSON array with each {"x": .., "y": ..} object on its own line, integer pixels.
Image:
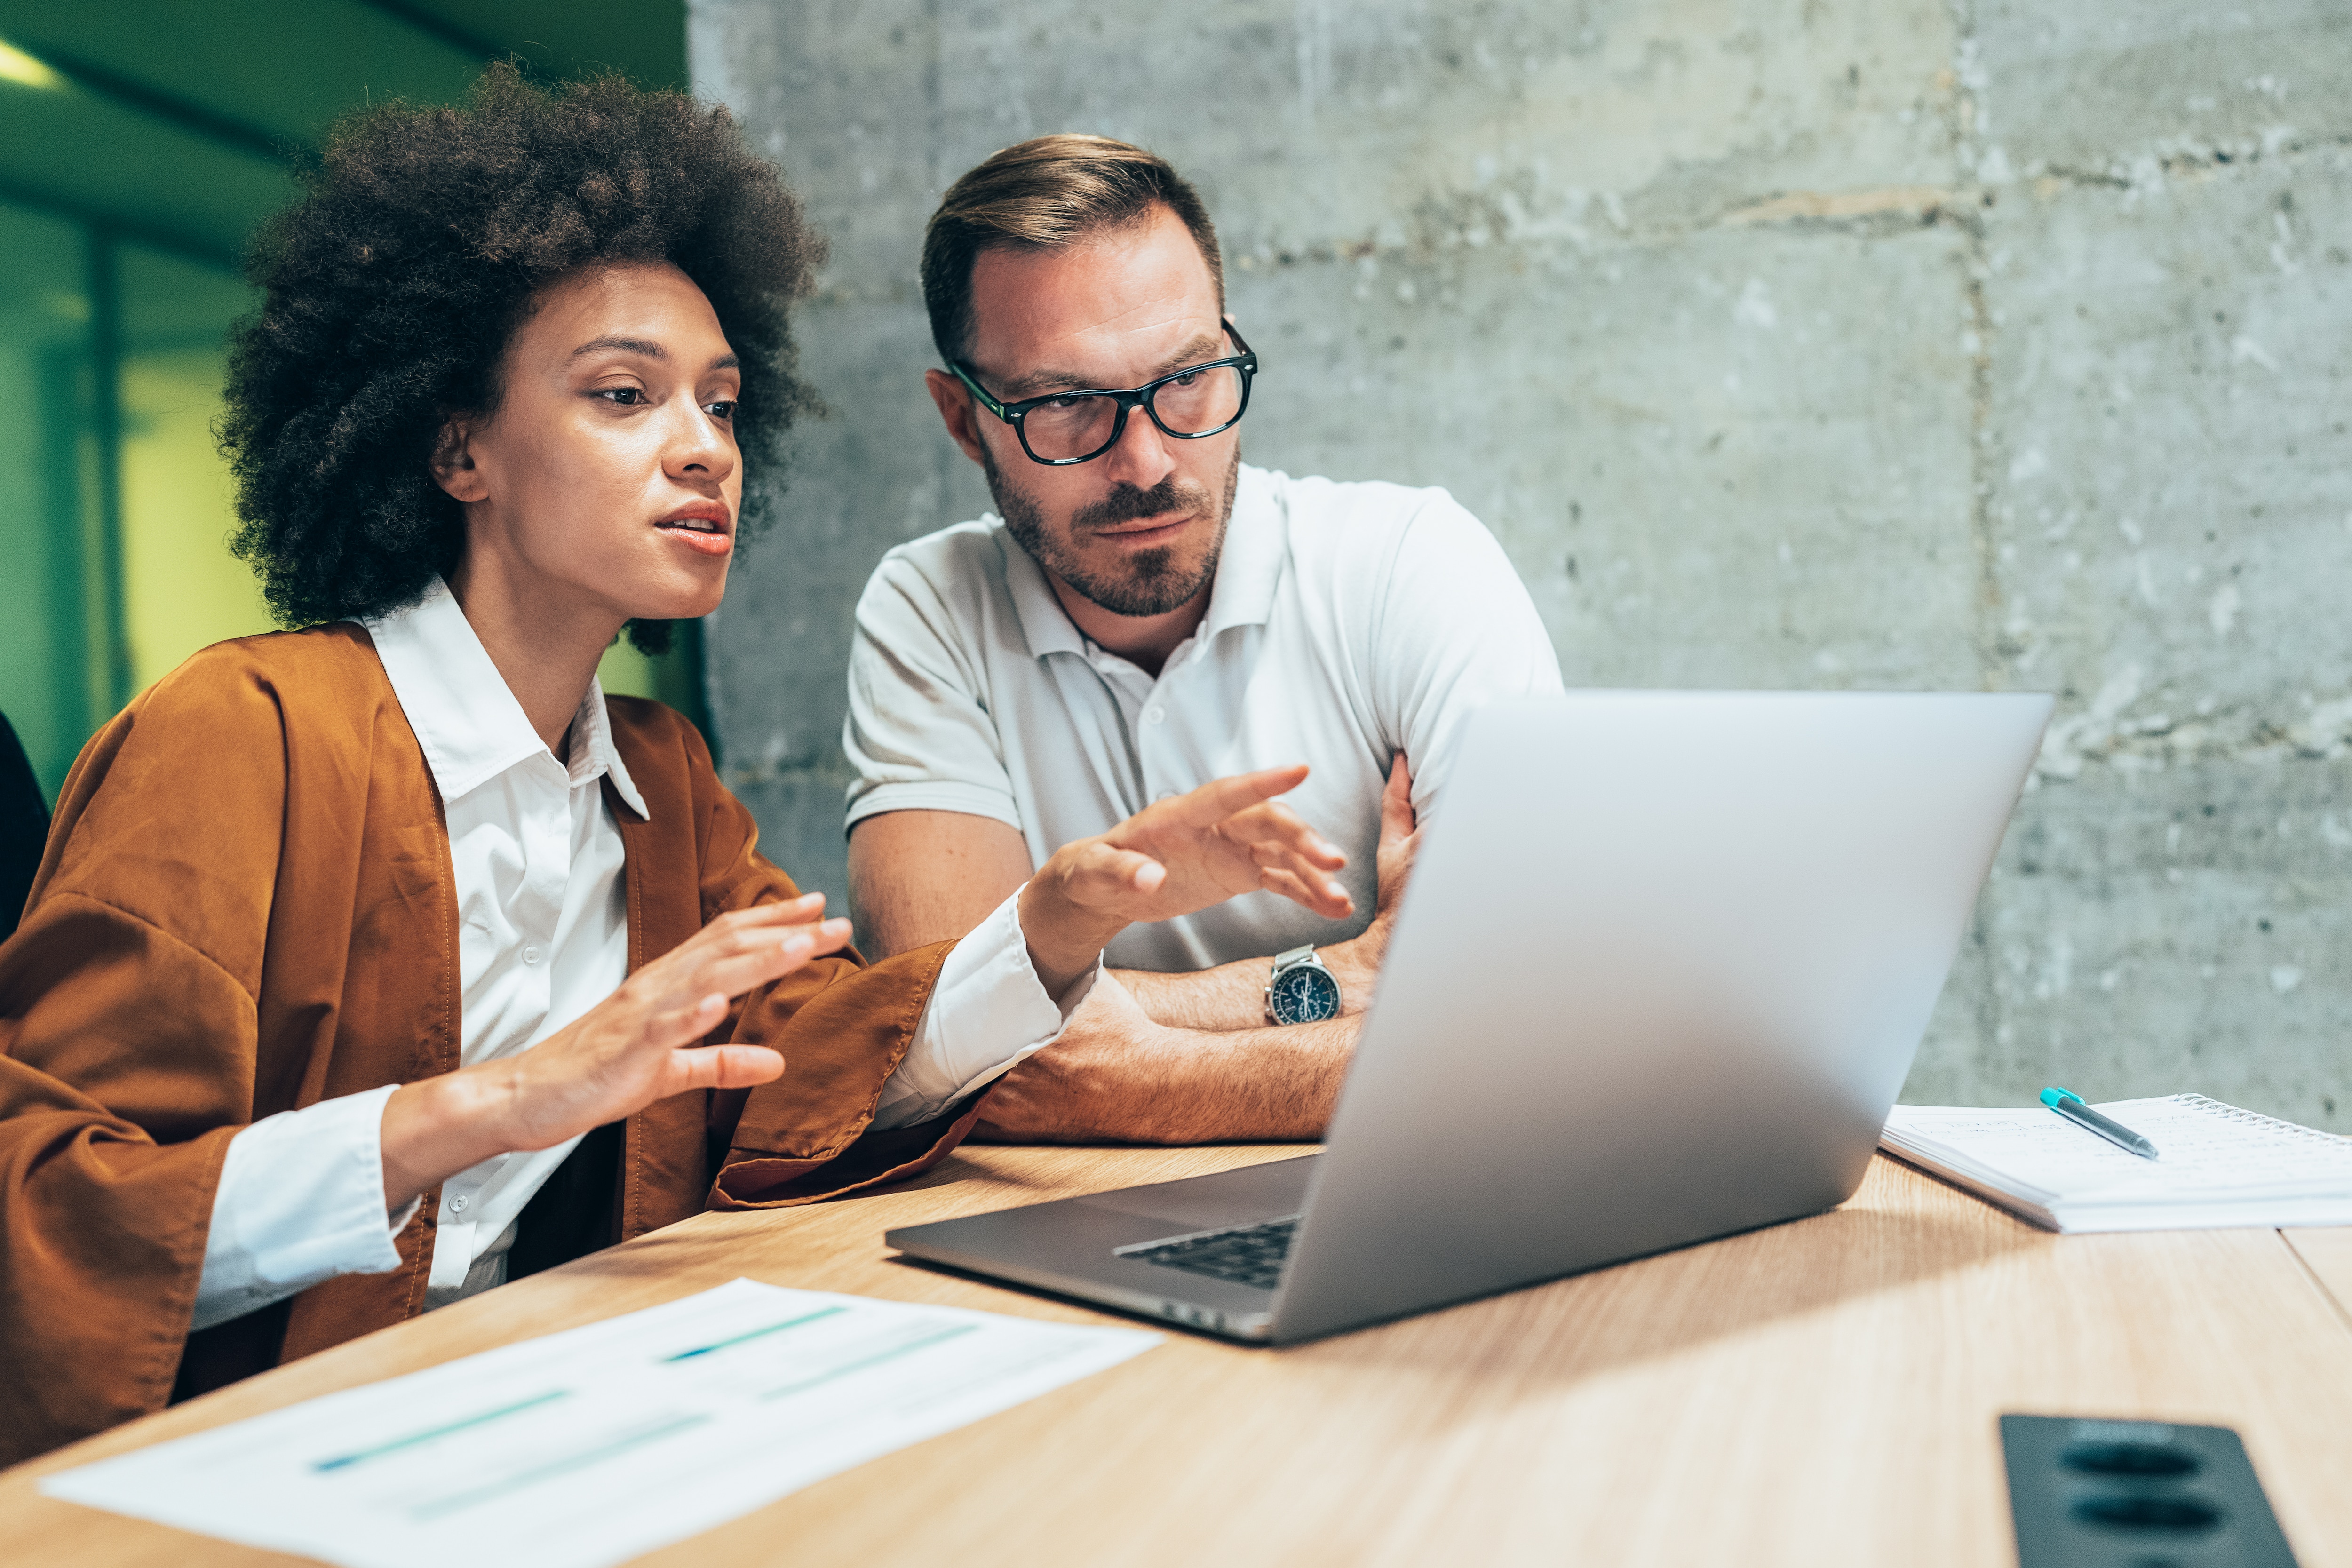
[{"x": 542, "y": 936}]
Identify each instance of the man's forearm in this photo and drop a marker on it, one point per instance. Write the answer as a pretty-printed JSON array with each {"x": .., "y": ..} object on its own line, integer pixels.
[
  {"x": 1153, "y": 1085},
  {"x": 1230, "y": 996},
  {"x": 1233, "y": 995}
]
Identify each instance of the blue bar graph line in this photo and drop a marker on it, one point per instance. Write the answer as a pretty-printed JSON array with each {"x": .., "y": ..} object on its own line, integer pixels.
[
  {"x": 894, "y": 1351},
  {"x": 756, "y": 1333},
  {"x": 564, "y": 1465},
  {"x": 343, "y": 1461}
]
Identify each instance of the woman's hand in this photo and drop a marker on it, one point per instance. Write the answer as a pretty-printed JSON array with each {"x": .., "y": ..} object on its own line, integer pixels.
[
  {"x": 1171, "y": 858},
  {"x": 637, "y": 1046}
]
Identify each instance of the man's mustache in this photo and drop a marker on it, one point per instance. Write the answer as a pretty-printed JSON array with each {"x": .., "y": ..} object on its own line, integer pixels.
[{"x": 1126, "y": 503}]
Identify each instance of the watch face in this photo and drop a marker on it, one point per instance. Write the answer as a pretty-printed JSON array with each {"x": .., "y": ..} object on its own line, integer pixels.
[{"x": 1304, "y": 994}]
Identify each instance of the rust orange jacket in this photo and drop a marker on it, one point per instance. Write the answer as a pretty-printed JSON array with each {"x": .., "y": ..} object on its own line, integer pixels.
[{"x": 247, "y": 906}]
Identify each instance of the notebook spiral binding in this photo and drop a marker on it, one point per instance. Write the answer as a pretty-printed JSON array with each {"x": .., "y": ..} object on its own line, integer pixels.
[{"x": 2255, "y": 1118}]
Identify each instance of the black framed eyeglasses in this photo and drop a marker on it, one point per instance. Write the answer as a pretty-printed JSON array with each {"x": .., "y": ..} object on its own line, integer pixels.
[{"x": 1064, "y": 427}]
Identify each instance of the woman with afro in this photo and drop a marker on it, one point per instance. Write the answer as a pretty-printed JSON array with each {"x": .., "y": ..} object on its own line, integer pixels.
[{"x": 375, "y": 962}]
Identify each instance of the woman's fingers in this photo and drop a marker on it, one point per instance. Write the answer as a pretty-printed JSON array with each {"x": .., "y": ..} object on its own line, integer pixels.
[
  {"x": 762, "y": 957},
  {"x": 674, "y": 1027},
  {"x": 806, "y": 910},
  {"x": 721, "y": 1067},
  {"x": 741, "y": 931},
  {"x": 689, "y": 996}
]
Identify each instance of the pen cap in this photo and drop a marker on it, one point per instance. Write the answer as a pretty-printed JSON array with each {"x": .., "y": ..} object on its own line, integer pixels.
[{"x": 2051, "y": 1097}]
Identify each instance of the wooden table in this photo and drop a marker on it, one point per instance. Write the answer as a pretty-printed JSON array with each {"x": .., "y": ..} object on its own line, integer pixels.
[{"x": 1820, "y": 1392}]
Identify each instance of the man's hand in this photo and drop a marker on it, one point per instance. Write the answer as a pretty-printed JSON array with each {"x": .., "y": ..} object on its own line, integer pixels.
[
  {"x": 1233, "y": 995},
  {"x": 1358, "y": 962},
  {"x": 637, "y": 1046},
  {"x": 1116, "y": 1077},
  {"x": 1171, "y": 858}
]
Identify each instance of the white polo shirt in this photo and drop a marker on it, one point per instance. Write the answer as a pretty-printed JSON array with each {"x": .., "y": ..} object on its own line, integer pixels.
[{"x": 1349, "y": 622}]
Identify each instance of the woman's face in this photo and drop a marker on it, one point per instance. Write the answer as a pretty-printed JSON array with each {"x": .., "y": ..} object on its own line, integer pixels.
[{"x": 608, "y": 481}]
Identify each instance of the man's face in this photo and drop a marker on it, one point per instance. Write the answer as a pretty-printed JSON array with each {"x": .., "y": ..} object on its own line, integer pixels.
[{"x": 1135, "y": 530}]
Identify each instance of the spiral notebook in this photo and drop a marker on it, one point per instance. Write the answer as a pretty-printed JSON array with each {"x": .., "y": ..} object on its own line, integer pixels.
[{"x": 2218, "y": 1165}]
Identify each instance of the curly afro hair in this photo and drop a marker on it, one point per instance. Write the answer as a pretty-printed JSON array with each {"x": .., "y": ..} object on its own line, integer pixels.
[{"x": 392, "y": 287}]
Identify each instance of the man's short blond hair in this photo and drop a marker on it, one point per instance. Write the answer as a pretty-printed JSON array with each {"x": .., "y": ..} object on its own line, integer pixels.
[{"x": 1047, "y": 193}]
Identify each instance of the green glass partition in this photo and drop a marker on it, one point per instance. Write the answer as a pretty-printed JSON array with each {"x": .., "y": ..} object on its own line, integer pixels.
[
  {"x": 57, "y": 667},
  {"x": 139, "y": 143}
]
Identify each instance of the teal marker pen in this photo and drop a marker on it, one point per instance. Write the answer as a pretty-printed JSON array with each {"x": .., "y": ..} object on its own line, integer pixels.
[{"x": 2069, "y": 1104}]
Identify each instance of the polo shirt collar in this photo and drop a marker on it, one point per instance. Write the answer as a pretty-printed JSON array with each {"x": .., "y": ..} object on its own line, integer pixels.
[
  {"x": 1249, "y": 570},
  {"x": 466, "y": 719},
  {"x": 1043, "y": 622}
]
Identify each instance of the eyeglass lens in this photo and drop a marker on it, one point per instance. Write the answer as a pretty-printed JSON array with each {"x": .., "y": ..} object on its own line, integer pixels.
[{"x": 1192, "y": 404}]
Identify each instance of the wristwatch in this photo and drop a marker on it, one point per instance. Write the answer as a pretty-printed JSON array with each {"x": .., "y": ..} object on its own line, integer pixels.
[{"x": 1301, "y": 990}]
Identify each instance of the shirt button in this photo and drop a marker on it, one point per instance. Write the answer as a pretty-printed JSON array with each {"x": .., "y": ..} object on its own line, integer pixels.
[
  {"x": 1154, "y": 714},
  {"x": 457, "y": 1205},
  {"x": 530, "y": 955}
]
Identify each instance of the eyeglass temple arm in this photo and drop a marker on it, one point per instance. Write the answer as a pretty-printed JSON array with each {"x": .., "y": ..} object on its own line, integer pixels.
[{"x": 986, "y": 401}]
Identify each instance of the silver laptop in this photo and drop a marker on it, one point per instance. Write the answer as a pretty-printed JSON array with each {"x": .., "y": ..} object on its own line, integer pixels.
[{"x": 1662, "y": 967}]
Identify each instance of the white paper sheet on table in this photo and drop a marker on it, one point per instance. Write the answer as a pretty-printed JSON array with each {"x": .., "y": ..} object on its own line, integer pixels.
[{"x": 593, "y": 1446}]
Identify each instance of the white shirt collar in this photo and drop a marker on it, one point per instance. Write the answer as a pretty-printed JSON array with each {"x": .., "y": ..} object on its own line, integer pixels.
[
  {"x": 466, "y": 719},
  {"x": 1249, "y": 569}
]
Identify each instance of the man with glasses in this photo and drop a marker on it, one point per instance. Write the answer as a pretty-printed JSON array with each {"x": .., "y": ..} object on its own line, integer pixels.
[{"x": 1146, "y": 612}]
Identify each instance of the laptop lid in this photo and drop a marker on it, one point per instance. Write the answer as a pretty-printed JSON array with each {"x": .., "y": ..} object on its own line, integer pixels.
[{"x": 1660, "y": 973}]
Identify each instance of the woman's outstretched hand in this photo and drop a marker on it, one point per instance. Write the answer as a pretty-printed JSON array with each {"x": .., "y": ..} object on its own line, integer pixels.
[
  {"x": 639, "y": 1044},
  {"x": 1171, "y": 858}
]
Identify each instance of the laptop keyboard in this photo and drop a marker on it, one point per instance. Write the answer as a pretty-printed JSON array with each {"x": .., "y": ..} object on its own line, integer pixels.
[{"x": 1249, "y": 1255}]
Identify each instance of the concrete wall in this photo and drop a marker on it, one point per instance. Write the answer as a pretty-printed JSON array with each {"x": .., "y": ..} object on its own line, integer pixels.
[{"x": 1840, "y": 343}]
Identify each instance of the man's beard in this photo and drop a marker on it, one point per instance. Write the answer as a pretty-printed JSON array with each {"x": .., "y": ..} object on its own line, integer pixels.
[{"x": 1154, "y": 583}]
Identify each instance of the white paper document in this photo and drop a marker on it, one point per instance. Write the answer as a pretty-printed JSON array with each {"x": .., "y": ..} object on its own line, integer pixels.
[{"x": 595, "y": 1444}]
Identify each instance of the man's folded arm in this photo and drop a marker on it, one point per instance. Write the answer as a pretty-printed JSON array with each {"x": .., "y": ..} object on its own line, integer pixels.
[
  {"x": 1118, "y": 1076},
  {"x": 1230, "y": 996}
]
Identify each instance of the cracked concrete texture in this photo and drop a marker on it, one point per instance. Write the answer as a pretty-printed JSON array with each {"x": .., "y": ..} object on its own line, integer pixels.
[
  {"x": 1904, "y": 344},
  {"x": 2188, "y": 603},
  {"x": 1669, "y": 433},
  {"x": 2117, "y": 90}
]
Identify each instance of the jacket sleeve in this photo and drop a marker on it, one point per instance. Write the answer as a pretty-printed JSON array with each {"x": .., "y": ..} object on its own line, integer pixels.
[
  {"x": 127, "y": 1044},
  {"x": 842, "y": 1025}
]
